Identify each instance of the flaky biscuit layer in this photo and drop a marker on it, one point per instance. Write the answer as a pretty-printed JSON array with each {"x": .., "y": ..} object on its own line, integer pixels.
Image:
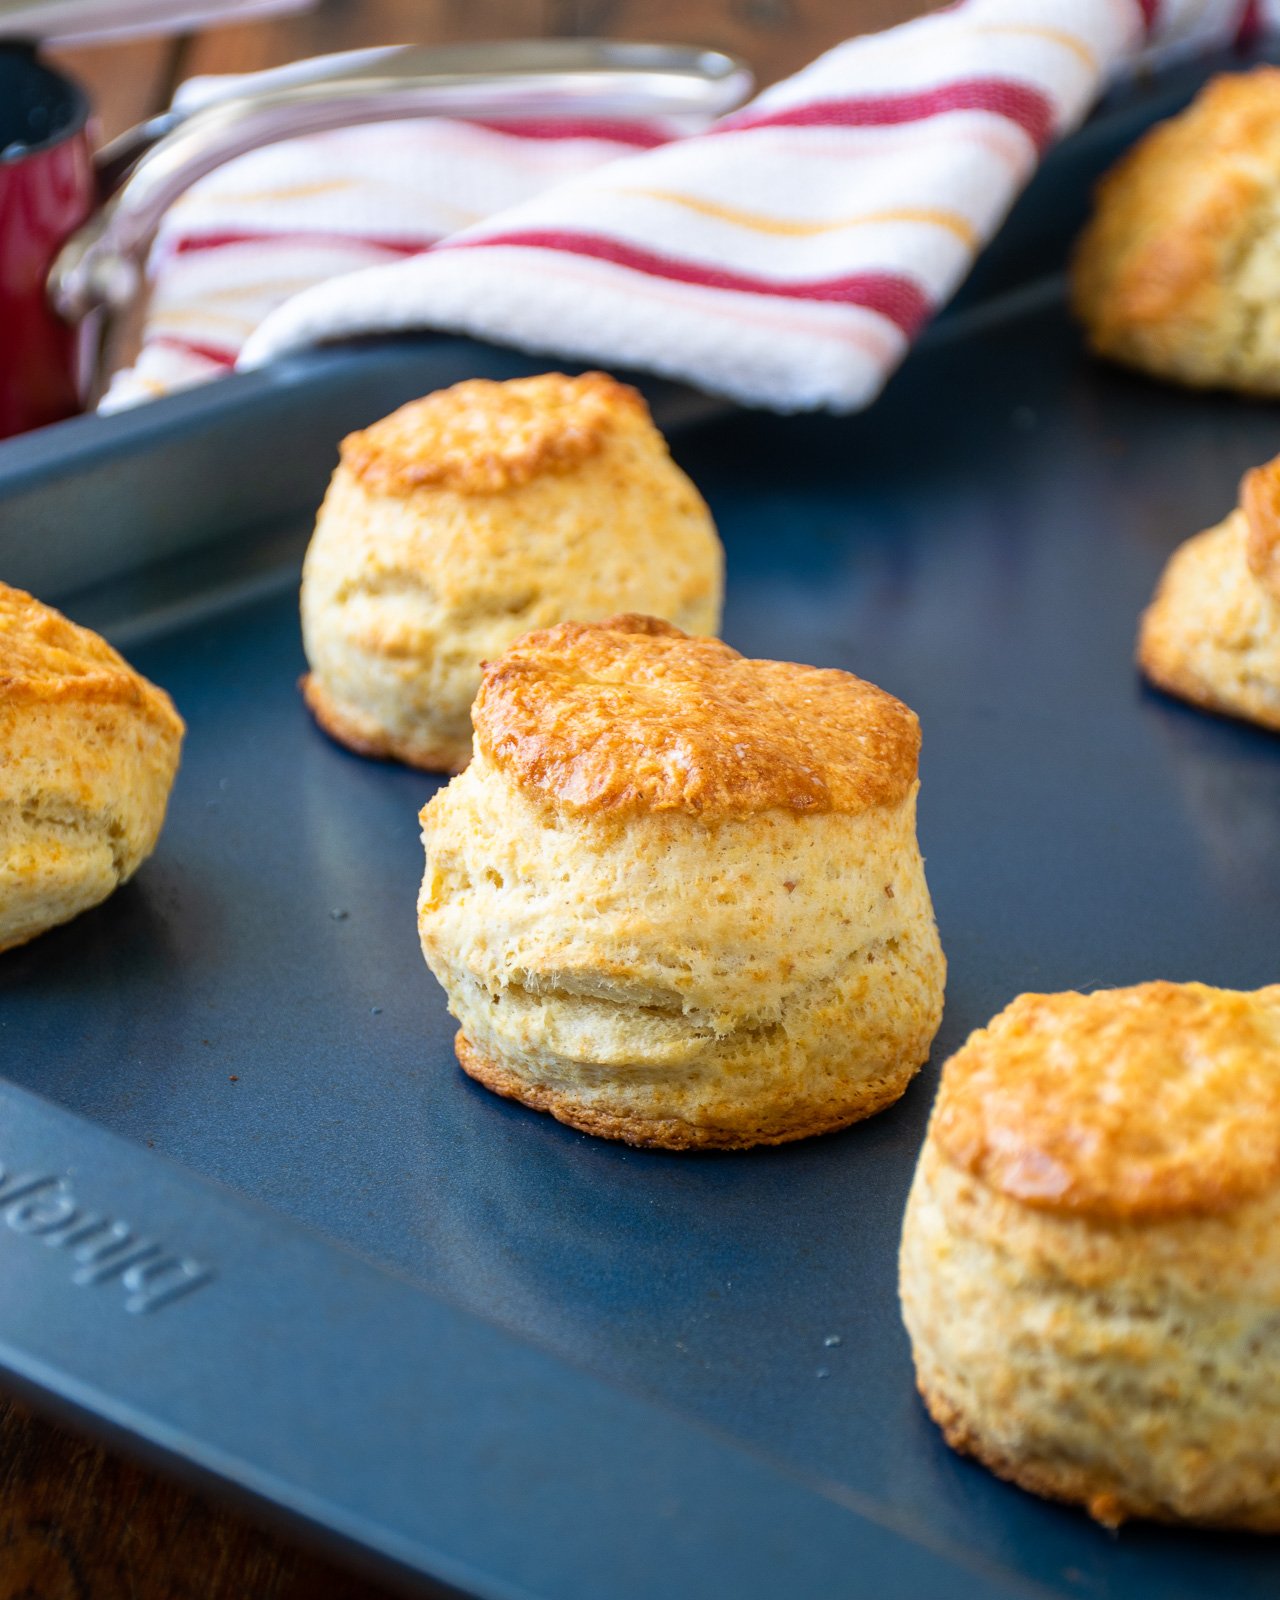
[{"x": 677, "y": 981}]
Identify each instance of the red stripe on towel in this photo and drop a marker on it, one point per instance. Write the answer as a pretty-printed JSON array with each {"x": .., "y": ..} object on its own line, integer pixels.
[
  {"x": 189, "y": 347},
  {"x": 1019, "y": 103},
  {"x": 369, "y": 241},
  {"x": 897, "y": 298},
  {"x": 615, "y": 132}
]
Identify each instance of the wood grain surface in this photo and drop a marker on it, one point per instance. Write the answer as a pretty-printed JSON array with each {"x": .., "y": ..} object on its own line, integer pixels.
[{"x": 78, "y": 1522}]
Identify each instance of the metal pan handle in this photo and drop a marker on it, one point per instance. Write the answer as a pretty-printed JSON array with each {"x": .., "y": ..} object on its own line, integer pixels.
[{"x": 147, "y": 169}]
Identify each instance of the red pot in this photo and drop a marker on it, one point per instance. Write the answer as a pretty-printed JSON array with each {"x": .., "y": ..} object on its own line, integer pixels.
[{"x": 47, "y": 189}]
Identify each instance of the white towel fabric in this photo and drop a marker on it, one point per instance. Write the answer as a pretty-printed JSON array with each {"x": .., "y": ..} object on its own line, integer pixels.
[{"x": 785, "y": 257}]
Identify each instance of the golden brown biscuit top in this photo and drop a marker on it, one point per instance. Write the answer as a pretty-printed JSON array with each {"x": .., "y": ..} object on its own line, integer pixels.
[
  {"x": 1178, "y": 213},
  {"x": 1260, "y": 502},
  {"x": 1138, "y": 1103},
  {"x": 44, "y": 657},
  {"x": 481, "y": 437},
  {"x": 1233, "y": 112},
  {"x": 632, "y": 715}
]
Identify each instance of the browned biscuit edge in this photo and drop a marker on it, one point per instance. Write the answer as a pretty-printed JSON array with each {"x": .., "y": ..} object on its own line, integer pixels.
[
  {"x": 1166, "y": 672},
  {"x": 1102, "y": 1497},
  {"x": 665, "y": 1133},
  {"x": 448, "y": 757}
]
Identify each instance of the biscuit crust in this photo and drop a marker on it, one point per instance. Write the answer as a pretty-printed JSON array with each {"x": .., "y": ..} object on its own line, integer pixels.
[
  {"x": 1178, "y": 270},
  {"x": 1044, "y": 1105},
  {"x": 481, "y": 437},
  {"x": 629, "y": 715},
  {"x": 45, "y": 658},
  {"x": 1089, "y": 1269},
  {"x": 88, "y": 753}
]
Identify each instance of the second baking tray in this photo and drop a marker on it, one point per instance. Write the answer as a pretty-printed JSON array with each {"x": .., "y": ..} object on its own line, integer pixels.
[{"x": 469, "y": 1344}]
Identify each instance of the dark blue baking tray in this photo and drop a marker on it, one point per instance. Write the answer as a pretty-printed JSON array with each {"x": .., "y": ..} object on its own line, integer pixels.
[{"x": 256, "y": 1223}]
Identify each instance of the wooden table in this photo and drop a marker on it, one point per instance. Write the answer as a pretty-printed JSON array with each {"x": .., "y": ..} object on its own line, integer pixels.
[{"x": 78, "y": 1522}]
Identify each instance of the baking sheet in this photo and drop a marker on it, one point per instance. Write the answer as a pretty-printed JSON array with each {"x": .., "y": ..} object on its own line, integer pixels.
[{"x": 449, "y": 1331}]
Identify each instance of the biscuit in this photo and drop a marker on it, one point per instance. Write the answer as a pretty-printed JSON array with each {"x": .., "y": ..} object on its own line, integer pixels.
[
  {"x": 1178, "y": 270},
  {"x": 462, "y": 521},
  {"x": 88, "y": 753},
  {"x": 1211, "y": 635},
  {"x": 677, "y": 898},
  {"x": 1090, "y": 1266}
]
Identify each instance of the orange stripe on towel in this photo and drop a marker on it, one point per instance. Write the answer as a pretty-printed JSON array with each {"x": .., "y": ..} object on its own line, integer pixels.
[{"x": 797, "y": 228}]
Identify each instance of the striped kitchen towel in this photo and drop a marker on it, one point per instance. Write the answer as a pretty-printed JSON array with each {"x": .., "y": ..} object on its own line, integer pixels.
[
  {"x": 269, "y": 225},
  {"x": 786, "y": 256}
]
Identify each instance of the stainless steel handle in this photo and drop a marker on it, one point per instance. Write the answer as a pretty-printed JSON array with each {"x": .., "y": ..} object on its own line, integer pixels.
[
  {"x": 100, "y": 266},
  {"x": 66, "y": 22}
]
